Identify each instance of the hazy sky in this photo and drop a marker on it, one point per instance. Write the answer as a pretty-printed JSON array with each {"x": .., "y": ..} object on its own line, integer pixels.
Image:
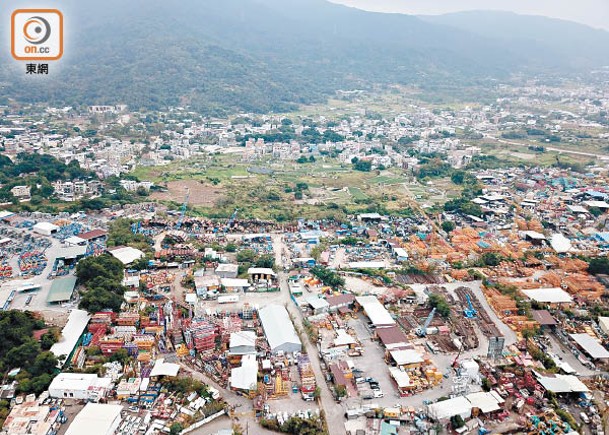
[{"x": 595, "y": 13}]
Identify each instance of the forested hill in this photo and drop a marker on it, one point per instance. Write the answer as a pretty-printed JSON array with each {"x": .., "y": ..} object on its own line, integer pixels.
[{"x": 261, "y": 55}]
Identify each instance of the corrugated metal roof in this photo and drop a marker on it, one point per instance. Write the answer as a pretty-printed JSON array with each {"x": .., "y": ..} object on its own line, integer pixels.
[{"x": 62, "y": 289}]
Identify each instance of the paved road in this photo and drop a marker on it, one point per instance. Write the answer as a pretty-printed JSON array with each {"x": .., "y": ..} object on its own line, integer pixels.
[
  {"x": 334, "y": 411},
  {"x": 566, "y": 355}
]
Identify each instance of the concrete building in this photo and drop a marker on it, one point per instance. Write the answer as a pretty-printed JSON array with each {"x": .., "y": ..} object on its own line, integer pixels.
[
  {"x": 30, "y": 418},
  {"x": 80, "y": 386},
  {"x": 227, "y": 270},
  {"x": 21, "y": 192}
]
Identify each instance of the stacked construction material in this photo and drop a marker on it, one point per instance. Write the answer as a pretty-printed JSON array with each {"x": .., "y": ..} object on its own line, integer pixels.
[
  {"x": 32, "y": 263},
  {"x": 128, "y": 319},
  {"x": 111, "y": 345},
  {"x": 228, "y": 325},
  {"x": 176, "y": 336},
  {"x": 100, "y": 321},
  {"x": 307, "y": 377},
  {"x": 201, "y": 335},
  {"x": 6, "y": 271},
  {"x": 144, "y": 342}
]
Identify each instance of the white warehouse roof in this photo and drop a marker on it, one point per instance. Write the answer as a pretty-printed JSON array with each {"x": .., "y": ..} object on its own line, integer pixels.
[
  {"x": 554, "y": 295},
  {"x": 279, "y": 330},
  {"x": 591, "y": 346},
  {"x": 405, "y": 357},
  {"x": 317, "y": 303},
  {"x": 447, "y": 408},
  {"x": 96, "y": 419},
  {"x": 376, "y": 312},
  {"x": 534, "y": 235},
  {"x": 77, "y": 382},
  {"x": 45, "y": 227},
  {"x": 70, "y": 334},
  {"x": 485, "y": 401},
  {"x": 244, "y": 340},
  {"x": 401, "y": 378},
  {"x": 246, "y": 376},
  {"x": 127, "y": 254},
  {"x": 560, "y": 243},
  {"x": 161, "y": 368},
  {"x": 260, "y": 271},
  {"x": 562, "y": 383}
]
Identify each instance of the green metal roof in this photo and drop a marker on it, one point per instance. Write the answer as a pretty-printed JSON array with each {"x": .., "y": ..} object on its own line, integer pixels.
[{"x": 62, "y": 289}]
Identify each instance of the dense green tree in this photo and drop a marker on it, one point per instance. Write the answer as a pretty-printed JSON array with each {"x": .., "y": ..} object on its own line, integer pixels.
[
  {"x": 448, "y": 226},
  {"x": 491, "y": 259},
  {"x": 363, "y": 165},
  {"x": 246, "y": 256},
  {"x": 599, "y": 266},
  {"x": 266, "y": 260},
  {"x": 328, "y": 277},
  {"x": 103, "y": 266},
  {"x": 176, "y": 428},
  {"x": 48, "y": 339},
  {"x": 439, "y": 303}
]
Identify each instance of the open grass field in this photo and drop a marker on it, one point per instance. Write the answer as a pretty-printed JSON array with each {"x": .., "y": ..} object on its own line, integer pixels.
[
  {"x": 200, "y": 193},
  {"x": 222, "y": 183}
]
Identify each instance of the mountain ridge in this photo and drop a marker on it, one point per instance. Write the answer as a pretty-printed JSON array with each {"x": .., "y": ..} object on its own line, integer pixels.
[{"x": 271, "y": 55}]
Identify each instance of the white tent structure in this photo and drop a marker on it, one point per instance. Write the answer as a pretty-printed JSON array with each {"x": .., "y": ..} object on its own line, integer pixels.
[
  {"x": 45, "y": 228},
  {"x": 446, "y": 409},
  {"x": 127, "y": 254},
  {"x": 279, "y": 330}
]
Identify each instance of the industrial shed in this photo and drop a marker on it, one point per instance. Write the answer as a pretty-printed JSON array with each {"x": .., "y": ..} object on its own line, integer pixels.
[
  {"x": 245, "y": 377},
  {"x": 591, "y": 346},
  {"x": 376, "y": 312},
  {"x": 242, "y": 343},
  {"x": 446, "y": 409},
  {"x": 45, "y": 228},
  {"x": 70, "y": 335},
  {"x": 561, "y": 383},
  {"x": 279, "y": 330},
  {"x": 80, "y": 386},
  {"x": 96, "y": 419},
  {"x": 549, "y": 295},
  {"x": 227, "y": 270},
  {"x": 162, "y": 368},
  {"x": 318, "y": 305},
  {"x": 61, "y": 290}
]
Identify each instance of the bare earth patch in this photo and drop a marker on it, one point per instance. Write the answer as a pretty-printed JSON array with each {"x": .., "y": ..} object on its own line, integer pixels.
[{"x": 200, "y": 194}]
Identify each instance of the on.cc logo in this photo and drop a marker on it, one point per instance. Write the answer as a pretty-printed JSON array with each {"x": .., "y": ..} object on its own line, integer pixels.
[{"x": 36, "y": 30}]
